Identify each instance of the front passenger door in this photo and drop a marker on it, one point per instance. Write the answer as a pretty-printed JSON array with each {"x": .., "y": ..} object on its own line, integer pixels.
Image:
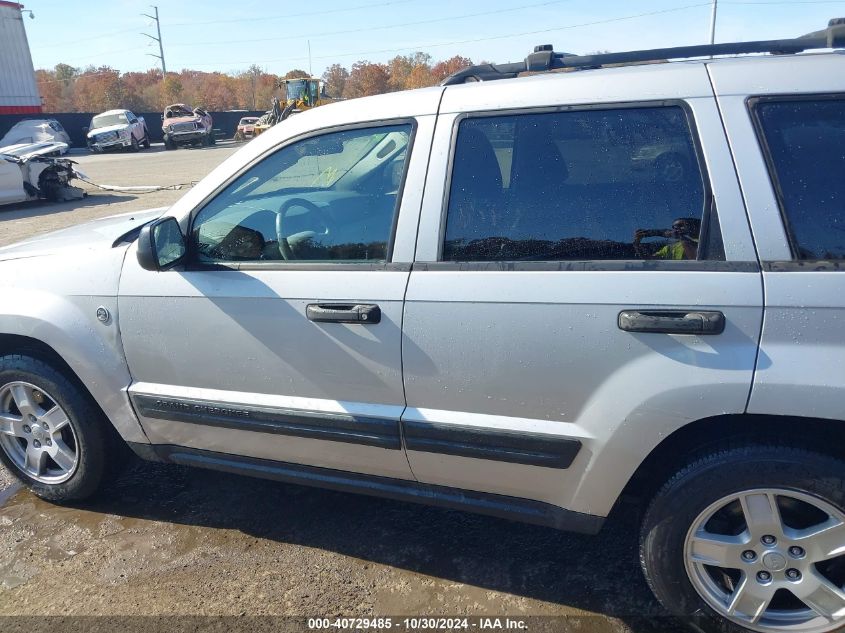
[{"x": 281, "y": 338}]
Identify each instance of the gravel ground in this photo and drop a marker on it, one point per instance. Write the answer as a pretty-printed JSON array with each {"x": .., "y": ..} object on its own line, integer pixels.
[
  {"x": 165, "y": 540},
  {"x": 151, "y": 167}
]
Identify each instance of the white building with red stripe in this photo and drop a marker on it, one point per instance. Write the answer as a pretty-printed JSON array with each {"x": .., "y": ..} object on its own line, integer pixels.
[{"x": 18, "y": 88}]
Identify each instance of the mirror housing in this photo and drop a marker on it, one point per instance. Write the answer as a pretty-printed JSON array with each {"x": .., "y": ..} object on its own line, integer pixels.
[{"x": 161, "y": 245}]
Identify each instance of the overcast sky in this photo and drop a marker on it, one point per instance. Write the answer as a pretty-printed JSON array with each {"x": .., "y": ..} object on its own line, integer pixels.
[{"x": 229, "y": 36}]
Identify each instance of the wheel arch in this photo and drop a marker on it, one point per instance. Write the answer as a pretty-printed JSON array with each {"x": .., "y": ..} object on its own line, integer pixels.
[
  {"x": 724, "y": 431},
  {"x": 127, "y": 428}
]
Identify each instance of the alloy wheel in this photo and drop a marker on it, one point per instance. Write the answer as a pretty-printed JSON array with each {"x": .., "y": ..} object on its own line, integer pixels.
[
  {"x": 770, "y": 560},
  {"x": 37, "y": 434}
]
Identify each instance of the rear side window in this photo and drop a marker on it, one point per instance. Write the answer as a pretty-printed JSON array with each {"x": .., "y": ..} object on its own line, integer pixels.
[
  {"x": 804, "y": 143},
  {"x": 593, "y": 184}
]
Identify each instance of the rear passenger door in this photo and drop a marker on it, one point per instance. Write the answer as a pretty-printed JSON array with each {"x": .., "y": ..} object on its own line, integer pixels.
[
  {"x": 586, "y": 285},
  {"x": 789, "y": 144}
]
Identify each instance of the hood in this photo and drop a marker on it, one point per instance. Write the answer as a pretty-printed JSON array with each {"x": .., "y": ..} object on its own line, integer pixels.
[
  {"x": 108, "y": 128},
  {"x": 182, "y": 119},
  {"x": 102, "y": 233},
  {"x": 26, "y": 151}
]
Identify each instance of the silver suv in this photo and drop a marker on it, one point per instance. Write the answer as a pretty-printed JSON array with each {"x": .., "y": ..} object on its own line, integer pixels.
[{"x": 522, "y": 296}]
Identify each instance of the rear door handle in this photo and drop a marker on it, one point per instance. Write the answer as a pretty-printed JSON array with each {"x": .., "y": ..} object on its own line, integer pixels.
[
  {"x": 672, "y": 321},
  {"x": 364, "y": 313}
]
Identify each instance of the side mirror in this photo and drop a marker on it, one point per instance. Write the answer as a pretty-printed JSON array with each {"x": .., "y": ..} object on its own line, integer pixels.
[{"x": 161, "y": 245}]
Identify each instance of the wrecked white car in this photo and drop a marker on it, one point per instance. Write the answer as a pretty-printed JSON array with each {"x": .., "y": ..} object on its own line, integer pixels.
[
  {"x": 32, "y": 171},
  {"x": 36, "y": 131}
]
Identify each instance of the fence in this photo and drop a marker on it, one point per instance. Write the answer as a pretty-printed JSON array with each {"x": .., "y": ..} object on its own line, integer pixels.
[{"x": 75, "y": 122}]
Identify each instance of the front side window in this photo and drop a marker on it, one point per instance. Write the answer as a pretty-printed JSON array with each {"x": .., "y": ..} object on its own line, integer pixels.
[
  {"x": 609, "y": 184},
  {"x": 805, "y": 141},
  {"x": 329, "y": 198}
]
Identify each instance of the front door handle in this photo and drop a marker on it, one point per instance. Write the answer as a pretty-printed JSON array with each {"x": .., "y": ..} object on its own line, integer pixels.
[
  {"x": 672, "y": 321},
  {"x": 364, "y": 313}
]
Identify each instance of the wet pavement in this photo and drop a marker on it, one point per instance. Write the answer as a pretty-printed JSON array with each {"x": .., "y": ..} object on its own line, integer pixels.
[{"x": 168, "y": 540}]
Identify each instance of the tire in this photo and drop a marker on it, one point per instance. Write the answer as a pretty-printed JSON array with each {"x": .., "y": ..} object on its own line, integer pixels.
[
  {"x": 209, "y": 140},
  {"x": 146, "y": 141},
  {"x": 85, "y": 432},
  {"x": 714, "y": 495},
  {"x": 135, "y": 147},
  {"x": 168, "y": 143}
]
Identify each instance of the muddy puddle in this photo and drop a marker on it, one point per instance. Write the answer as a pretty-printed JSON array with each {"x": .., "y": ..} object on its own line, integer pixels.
[{"x": 166, "y": 540}]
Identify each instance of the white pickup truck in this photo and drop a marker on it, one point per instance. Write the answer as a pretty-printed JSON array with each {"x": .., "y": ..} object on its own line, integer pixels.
[{"x": 117, "y": 129}]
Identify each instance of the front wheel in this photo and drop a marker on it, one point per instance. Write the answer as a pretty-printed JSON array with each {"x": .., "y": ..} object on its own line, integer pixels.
[
  {"x": 52, "y": 436},
  {"x": 751, "y": 539}
]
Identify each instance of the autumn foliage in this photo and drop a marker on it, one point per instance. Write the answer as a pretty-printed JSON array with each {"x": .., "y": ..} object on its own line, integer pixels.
[{"x": 69, "y": 89}]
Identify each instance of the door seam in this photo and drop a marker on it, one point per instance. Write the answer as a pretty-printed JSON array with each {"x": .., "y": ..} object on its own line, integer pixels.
[{"x": 753, "y": 242}]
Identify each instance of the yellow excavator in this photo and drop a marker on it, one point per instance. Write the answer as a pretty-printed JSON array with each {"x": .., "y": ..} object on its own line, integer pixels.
[{"x": 299, "y": 94}]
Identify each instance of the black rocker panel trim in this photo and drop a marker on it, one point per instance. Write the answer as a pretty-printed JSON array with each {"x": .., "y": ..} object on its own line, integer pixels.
[
  {"x": 502, "y": 506},
  {"x": 333, "y": 427},
  {"x": 516, "y": 447}
]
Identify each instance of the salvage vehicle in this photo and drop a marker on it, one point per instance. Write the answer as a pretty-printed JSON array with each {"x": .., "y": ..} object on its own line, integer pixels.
[
  {"x": 31, "y": 172},
  {"x": 430, "y": 296},
  {"x": 245, "y": 128},
  {"x": 117, "y": 129},
  {"x": 183, "y": 126},
  {"x": 36, "y": 131}
]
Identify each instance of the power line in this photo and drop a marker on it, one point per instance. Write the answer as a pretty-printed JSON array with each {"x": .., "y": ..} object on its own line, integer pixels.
[
  {"x": 473, "y": 40},
  {"x": 103, "y": 54},
  {"x": 386, "y": 26},
  {"x": 266, "y": 18},
  {"x": 87, "y": 39}
]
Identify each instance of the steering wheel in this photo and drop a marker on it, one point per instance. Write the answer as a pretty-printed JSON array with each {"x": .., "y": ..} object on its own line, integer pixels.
[{"x": 284, "y": 244}]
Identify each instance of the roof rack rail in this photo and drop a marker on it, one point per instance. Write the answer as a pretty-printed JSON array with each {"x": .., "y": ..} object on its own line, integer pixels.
[{"x": 544, "y": 58}]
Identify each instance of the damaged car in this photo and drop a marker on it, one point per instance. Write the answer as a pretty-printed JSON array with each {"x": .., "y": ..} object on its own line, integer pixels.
[
  {"x": 32, "y": 172},
  {"x": 36, "y": 131},
  {"x": 184, "y": 126},
  {"x": 246, "y": 128}
]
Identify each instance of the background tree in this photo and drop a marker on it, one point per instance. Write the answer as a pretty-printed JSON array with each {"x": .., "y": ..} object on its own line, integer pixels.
[
  {"x": 366, "y": 79},
  {"x": 334, "y": 80},
  {"x": 69, "y": 89},
  {"x": 97, "y": 89},
  {"x": 450, "y": 66},
  {"x": 253, "y": 80},
  {"x": 296, "y": 73},
  {"x": 171, "y": 90}
]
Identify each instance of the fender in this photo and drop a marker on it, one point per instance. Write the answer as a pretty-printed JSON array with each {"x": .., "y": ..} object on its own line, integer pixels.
[{"x": 63, "y": 314}]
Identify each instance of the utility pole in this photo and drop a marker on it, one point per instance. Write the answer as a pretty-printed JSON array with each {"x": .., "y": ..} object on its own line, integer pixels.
[
  {"x": 157, "y": 39},
  {"x": 310, "y": 73},
  {"x": 713, "y": 22}
]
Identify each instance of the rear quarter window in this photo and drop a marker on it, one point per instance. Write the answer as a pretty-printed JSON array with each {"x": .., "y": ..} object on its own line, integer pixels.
[
  {"x": 583, "y": 184},
  {"x": 803, "y": 140}
]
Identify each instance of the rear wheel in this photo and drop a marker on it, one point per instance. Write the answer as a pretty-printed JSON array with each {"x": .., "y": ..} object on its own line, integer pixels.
[
  {"x": 52, "y": 437},
  {"x": 751, "y": 539}
]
